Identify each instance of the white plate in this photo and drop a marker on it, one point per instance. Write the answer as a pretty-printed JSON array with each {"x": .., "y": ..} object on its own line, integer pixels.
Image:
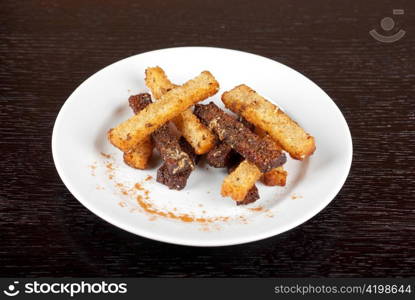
[{"x": 105, "y": 185}]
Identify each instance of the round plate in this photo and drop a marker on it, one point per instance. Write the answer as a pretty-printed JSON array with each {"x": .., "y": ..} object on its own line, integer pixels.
[{"x": 94, "y": 171}]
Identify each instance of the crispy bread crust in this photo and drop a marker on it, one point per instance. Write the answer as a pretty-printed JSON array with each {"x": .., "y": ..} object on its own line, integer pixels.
[
  {"x": 134, "y": 130},
  {"x": 177, "y": 181},
  {"x": 219, "y": 156},
  {"x": 277, "y": 176},
  {"x": 158, "y": 82},
  {"x": 166, "y": 142},
  {"x": 172, "y": 181},
  {"x": 140, "y": 155},
  {"x": 176, "y": 160},
  {"x": 267, "y": 116},
  {"x": 253, "y": 193},
  {"x": 251, "y": 196},
  {"x": 200, "y": 137},
  {"x": 259, "y": 151},
  {"x": 238, "y": 183}
]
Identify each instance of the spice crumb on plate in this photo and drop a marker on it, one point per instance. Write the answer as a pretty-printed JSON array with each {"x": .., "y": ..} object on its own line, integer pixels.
[{"x": 106, "y": 155}]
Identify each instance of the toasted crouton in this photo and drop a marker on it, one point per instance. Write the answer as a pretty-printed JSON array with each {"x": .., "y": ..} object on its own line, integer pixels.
[
  {"x": 267, "y": 116},
  {"x": 197, "y": 135},
  {"x": 139, "y": 156},
  {"x": 133, "y": 131},
  {"x": 158, "y": 82},
  {"x": 238, "y": 183},
  {"x": 234, "y": 133},
  {"x": 277, "y": 176}
]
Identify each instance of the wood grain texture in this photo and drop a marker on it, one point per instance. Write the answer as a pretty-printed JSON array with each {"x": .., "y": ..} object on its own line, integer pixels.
[{"x": 47, "y": 48}]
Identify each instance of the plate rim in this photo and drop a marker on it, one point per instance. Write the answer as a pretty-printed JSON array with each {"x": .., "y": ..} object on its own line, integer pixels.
[{"x": 200, "y": 243}]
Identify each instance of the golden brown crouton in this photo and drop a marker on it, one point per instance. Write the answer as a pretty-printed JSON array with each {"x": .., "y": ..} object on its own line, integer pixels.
[
  {"x": 267, "y": 116},
  {"x": 139, "y": 156},
  {"x": 158, "y": 82},
  {"x": 238, "y": 183},
  {"x": 197, "y": 135},
  {"x": 277, "y": 176},
  {"x": 134, "y": 130}
]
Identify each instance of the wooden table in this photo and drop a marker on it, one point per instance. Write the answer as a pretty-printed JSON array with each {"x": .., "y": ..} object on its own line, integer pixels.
[{"x": 49, "y": 47}]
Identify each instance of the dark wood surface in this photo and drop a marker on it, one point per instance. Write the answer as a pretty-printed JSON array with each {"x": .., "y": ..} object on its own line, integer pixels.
[{"x": 47, "y": 48}]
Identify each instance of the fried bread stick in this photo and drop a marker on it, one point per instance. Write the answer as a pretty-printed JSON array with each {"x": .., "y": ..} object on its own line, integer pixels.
[
  {"x": 240, "y": 181},
  {"x": 186, "y": 147},
  {"x": 253, "y": 193},
  {"x": 201, "y": 139},
  {"x": 140, "y": 155},
  {"x": 251, "y": 196},
  {"x": 134, "y": 130},
  {"x": 176, "y": 160},
  {"x": 172, "y": 181},
  {"x": 278, "y": 175},
  {"x": 258, "y": 151},
  {"x": 177, "y": 181},
  {"x": 219, "y": 156},
  {"x": 267, "y": 116}
]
